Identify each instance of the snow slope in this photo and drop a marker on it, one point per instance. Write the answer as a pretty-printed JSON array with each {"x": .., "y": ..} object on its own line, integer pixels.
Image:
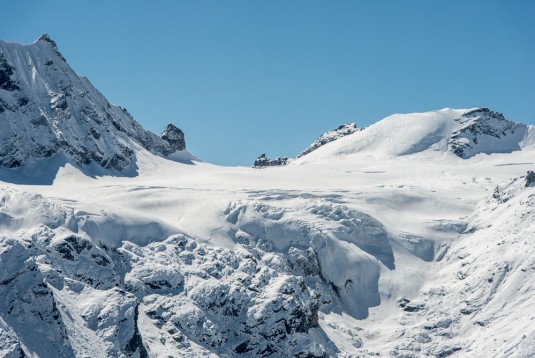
[{"x": 410, "y": 238}]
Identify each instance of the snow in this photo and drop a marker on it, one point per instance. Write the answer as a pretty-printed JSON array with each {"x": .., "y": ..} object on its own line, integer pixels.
[{"x": 412, "y": 237}]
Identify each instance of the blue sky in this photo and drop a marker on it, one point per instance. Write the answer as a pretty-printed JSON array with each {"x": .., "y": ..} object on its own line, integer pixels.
[{"x": 243, "y": 78}]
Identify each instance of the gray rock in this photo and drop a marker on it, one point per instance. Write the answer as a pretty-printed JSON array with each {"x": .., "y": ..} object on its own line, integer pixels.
[
  {"x": 530, "y": 178},
  {"x": 341, "y": 131},
  {"x": 175, "y": 137},
  {"x": 481, "y": 130},
  {"x": 263, "y": 161}
]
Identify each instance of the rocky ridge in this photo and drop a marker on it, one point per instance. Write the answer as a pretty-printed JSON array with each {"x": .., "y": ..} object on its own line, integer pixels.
[
  {"x": 327, "y": 137},
  {"x": 500, "y": 230},
  {"x": 480, "y": 130},
  {"x": 464, "y": 133}
]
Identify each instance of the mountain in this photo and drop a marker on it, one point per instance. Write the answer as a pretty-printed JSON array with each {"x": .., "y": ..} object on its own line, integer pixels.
[
  {"x": 464, "y": 133},
  {"x": 408, "y": 238},
  {"x": 46, "y": 110}
]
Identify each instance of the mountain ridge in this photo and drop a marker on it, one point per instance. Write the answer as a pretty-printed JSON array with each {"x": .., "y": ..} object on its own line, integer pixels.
[
  {"x": 462, "y": 132},
  {"x": 46, "y": 108}
]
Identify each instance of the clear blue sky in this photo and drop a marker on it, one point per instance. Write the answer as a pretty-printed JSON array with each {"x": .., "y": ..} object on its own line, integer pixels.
[{"x": 246, "y": 77}]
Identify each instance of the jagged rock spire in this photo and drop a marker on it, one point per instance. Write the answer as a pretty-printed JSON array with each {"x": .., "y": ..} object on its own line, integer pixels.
[{"x": 174, "y": 136}]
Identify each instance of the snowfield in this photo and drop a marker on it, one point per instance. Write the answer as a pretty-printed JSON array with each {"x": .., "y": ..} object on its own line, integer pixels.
[{"x": 413, "y": 237}]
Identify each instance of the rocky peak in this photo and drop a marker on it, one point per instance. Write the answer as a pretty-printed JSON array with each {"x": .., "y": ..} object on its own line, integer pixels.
[
  {"x": 61, "y": 113},
  {"x": 484, "y": 131},
  {"x": 341, "y": 131},
  {"x": 46, "y": 38},
  {"x": 174, "y": 136},
  {"x": 482, "y": 112}
]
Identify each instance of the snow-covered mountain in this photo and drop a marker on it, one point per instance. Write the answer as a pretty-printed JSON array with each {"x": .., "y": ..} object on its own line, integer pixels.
[
  {"x": 412, "y": 237},
  {"x": 48, "y": 110},
  {"x": 464, "y": 133}
]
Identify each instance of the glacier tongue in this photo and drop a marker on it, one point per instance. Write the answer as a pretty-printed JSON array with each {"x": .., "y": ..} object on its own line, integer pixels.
[{"x": 261, "y": 298}]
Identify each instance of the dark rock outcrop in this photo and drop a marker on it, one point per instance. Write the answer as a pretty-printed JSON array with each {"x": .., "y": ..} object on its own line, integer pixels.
[
  {"x": 263, "y": 161},
  {"x": 485, "y": 131},
  {"x": 6, "y": 71},
  {"x": 175, "y": 137},
  {"x": 341, "y": 131},
  {"x": 530, "y": 178}
]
